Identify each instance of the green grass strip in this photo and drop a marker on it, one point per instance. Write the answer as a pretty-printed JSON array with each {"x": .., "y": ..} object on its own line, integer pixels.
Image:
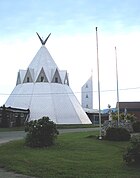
[{"x": 75, "y": 155}]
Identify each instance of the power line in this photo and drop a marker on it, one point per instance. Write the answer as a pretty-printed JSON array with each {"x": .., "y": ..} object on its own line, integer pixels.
[{"x": 44, "y": 94}]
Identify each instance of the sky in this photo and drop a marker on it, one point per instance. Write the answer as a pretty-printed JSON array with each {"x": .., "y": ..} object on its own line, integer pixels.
[{"x": 72, "y": 43}]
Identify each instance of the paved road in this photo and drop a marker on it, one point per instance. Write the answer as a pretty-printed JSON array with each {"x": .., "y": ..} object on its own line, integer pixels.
[
  {"x": 16, "y": 135},
  {"x": 9, "y": 136},
  {"x": 4, "y": 174}
]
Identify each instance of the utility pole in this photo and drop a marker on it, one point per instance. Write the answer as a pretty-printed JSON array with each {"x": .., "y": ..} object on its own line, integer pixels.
[
  {"x": 118, "y": 107},
  {"x": 100, "y": 134}
]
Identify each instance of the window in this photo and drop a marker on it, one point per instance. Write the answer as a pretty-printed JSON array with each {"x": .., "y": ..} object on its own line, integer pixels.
[
  {"x": 21, "y": 115},
  {"x": 87, "y": 106},
  {"x": 86, "y": 95},
  {"x": 56, "y": 80},
  {"x": 66, "y": 82},
  {"x": 86, "y": 85},
  {"x": 96, "y": 119},
  {"x": 28, "y": 79},
  {"x": 16, "y": 115},
  {"x": 42, "y": 78}
]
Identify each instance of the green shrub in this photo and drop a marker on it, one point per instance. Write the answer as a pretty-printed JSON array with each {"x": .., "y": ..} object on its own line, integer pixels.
[
  {"x": 117, "y": 134},
  {"x": 136, "y": 126},
  {"x": 122, "y": 116},
  {"x": 40, "y": 133},
  {"x": 132, "y": 154}
]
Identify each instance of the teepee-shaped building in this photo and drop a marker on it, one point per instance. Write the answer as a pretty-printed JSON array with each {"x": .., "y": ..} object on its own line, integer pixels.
[{"x": 45, "y": 91}]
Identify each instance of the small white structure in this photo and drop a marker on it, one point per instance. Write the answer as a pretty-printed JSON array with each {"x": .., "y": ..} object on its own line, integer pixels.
[
  {"x": 45, "y": 91},
  {"x": 87, "y": 94}
]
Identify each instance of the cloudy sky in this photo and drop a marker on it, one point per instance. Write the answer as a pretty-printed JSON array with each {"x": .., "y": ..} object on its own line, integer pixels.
[{"x": 73, "y": 43}]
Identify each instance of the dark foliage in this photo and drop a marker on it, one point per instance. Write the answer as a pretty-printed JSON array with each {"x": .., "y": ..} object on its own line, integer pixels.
[
  {"x": 117, "y": 134},
  {"x": 136, "y": 126},
  {"x": 4, "y": 121},
  {"x": 132, "y": 155},
  {"x": 40, "y": 133}
]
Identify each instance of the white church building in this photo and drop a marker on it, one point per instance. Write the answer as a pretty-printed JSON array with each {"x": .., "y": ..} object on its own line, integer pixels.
[
  {"x": 87, "y": 94},
  {"x": 87, "y": 101},
  {"x": 44, "y": 89}
]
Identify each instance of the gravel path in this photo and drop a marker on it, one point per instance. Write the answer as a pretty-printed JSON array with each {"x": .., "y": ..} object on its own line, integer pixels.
[{"x": 5, "y": 174}]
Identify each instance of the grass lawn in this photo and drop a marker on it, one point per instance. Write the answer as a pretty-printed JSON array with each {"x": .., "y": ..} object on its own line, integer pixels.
[
  {"x": 11, "y": 129},
  {"x": 75, "y": 155}
]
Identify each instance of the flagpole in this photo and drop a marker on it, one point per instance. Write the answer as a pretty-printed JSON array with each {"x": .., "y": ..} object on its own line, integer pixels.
[
  {"x": 118, "y": 107},
  {"x": 100, "y": 134}
]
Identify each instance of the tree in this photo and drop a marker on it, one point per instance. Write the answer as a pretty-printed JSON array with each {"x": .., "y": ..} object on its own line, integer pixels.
[
  {"x": 128, "y": 117},
  {"x": 4, "y": 121},
  {"x": 132, "y": 154},
  {"x": 40, "y": 133}
]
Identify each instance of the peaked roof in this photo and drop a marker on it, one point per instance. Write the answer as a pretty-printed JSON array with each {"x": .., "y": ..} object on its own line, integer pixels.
[
  {"x": 43, "y": 59},
  {"x": 88, "y": 82}
]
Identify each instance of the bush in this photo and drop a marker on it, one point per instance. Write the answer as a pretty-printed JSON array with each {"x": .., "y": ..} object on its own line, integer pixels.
[
  {"x": 117, "y": 134},
  {"x": 132, "y": 154},
  {"x": 40, "y": 133},
  {"x": 136, "y": 126},
  {"x": 122, "y": 116}
]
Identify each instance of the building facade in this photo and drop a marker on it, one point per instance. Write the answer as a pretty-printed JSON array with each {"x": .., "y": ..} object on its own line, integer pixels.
[
  {"x": 13, "y": 117},
  {"x": 130, "y": 107}
]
